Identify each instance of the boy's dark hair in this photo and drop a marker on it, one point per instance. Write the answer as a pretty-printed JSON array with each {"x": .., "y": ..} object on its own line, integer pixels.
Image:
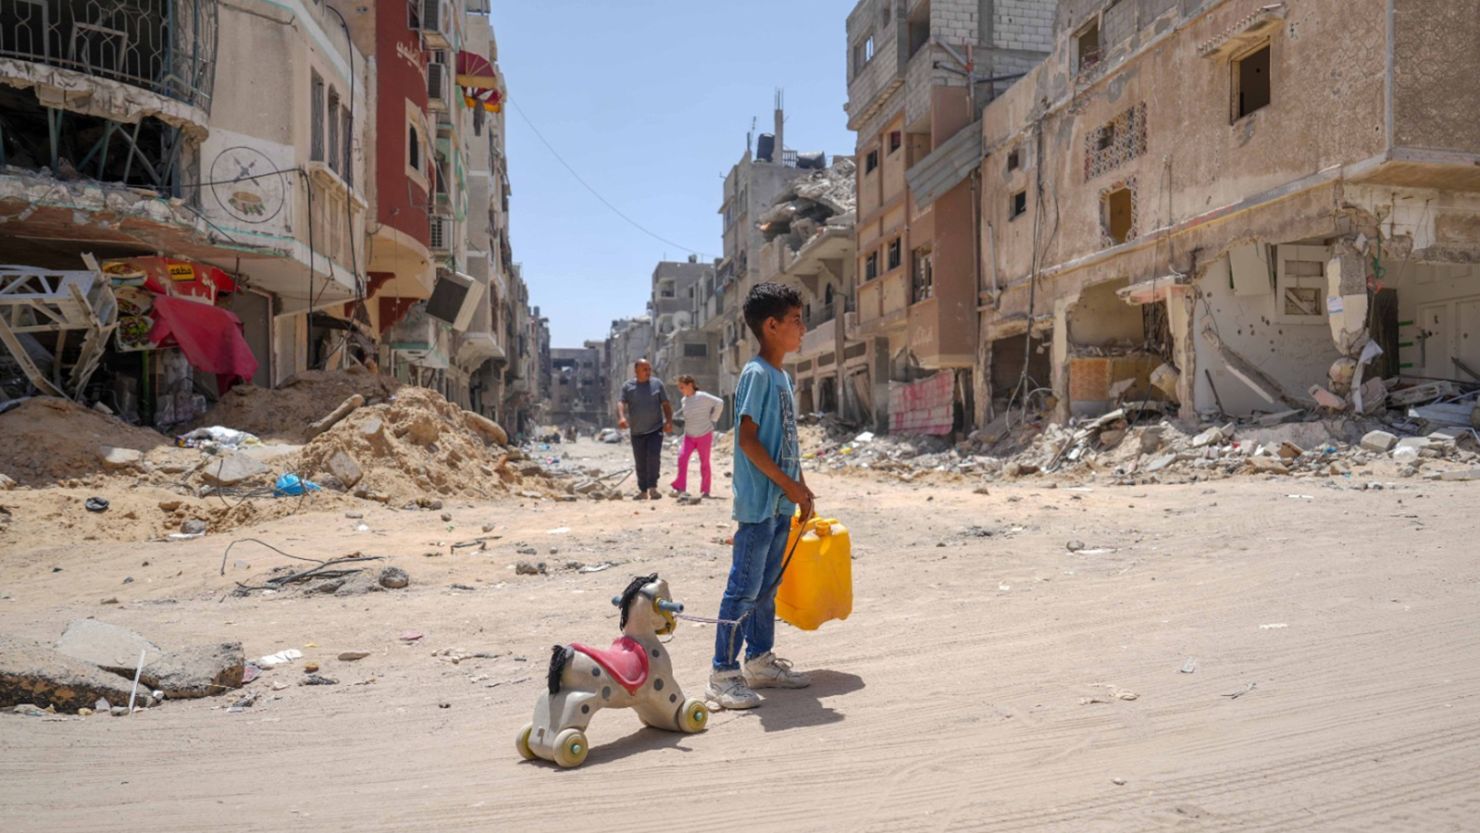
[
  {"x": 769, "y": 300},
  {"x": 686, "y": 379}
]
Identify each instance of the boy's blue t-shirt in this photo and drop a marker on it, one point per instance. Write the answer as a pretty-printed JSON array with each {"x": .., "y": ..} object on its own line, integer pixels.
[{"x": 765, "y": 395}]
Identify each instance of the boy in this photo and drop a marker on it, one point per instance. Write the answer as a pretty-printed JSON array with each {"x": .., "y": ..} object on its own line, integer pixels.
[
  {"x": 700, "y": 411},
  {"x": 768, "y": 487}
]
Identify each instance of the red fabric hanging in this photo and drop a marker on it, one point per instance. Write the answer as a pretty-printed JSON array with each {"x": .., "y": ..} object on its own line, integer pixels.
[{"x": 210, "y": 337}]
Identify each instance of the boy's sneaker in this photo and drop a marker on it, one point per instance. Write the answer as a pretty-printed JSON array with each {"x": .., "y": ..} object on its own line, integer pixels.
[
  {"x": 677, "y": 493},
  {"x": 728, "y": 689},
  {"x": 771, "y": 671},
  {"x": 654, "y": 494}
]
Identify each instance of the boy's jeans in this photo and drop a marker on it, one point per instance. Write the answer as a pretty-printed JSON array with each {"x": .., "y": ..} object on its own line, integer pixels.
[
  {"x": 690, "y": 445},
  {"x": 755, "y": 566}
]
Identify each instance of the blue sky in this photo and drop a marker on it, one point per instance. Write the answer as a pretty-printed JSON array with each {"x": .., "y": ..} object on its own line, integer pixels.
[{"x": 649, "y": 101}]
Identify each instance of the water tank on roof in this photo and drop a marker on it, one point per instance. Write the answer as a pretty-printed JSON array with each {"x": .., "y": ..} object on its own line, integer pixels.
[
  {"x": 815, "y": 160},
  {"x": 765, "y": 147}
]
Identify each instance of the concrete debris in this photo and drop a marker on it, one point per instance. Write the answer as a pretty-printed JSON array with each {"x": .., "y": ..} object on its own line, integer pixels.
[
  {"x": 30, "y": 672},
  {"x": 116, "y": 459},
  {"x": 199, "y": 671},
  {"x": 1379, "y": 441},
  {"x": 394, "y": 578},
  {"x": 234, "y": 470},
  {"x": 106, "y": 646}
]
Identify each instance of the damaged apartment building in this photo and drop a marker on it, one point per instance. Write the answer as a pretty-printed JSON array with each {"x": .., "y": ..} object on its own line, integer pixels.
[
  {"x": 1234, "y": 207},
  {"x": 809, "y": 233},
  {"x": 919, "y": 74},
  {"x": 205, "y": 192}
]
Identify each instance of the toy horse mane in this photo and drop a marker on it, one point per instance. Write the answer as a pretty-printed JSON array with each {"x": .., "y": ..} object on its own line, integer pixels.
[{"x": 628, "y": 595}]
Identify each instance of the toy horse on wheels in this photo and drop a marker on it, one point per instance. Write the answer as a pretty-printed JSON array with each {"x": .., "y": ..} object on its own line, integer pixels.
[{"x": 634, "y": 672}]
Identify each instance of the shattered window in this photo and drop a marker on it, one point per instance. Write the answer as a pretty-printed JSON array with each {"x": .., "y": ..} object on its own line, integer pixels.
[
  {"x": 871, "y": 162},
  {"x": 1019, "y": 205},
  {"x": 1303, "y": 300}
]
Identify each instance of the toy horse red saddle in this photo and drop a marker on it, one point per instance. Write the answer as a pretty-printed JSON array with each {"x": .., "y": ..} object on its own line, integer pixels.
[{"x": 626, "y": 661}]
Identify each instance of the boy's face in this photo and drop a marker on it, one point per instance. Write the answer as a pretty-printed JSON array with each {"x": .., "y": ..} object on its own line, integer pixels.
[
  {"x": 787, "y": 331},
  {"x": 685, "y": 389}
]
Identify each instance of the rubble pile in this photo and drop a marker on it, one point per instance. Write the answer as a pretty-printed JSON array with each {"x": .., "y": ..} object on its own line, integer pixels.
[
  {"x": 1114, "y": 448},
  {"x": 822, "y": 198},
  {"x": 49, "y": 440},
  {"x": 284, "y": 413},
  {"x": 413, "y": 445}
]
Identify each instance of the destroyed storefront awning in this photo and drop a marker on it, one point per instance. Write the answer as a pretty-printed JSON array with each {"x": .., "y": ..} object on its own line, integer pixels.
[
  {"x": 479, "y": 82},
  {"x": 946, "y": 166},
  {"x": 209, "y": 336},
  {"x": 170, "y": 276}
]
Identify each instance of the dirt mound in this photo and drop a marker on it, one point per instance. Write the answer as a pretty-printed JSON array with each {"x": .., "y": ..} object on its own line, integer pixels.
[
  {"x": 283, "y": 414},
  {"x": 415, "y": 445},
  {"x": 47, "y": 440}
]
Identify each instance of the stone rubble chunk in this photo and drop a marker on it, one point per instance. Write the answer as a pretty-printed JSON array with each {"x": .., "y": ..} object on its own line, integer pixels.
[
  {"x": 198, "y": 671},
  {"x": 233, "y": 470},
  {"x": 1380, "y": 442},
  {"x": 115, "y": 459},
  {"x": 31, "y": 672},
  {"x": 109, "y": 647},
  {"x": 345, "y": 469}
]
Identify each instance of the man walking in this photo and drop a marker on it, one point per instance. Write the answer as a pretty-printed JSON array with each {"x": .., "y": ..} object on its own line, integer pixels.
[
  {"x": 700, "y": 411},
  {"x": 644, "y": 408}
]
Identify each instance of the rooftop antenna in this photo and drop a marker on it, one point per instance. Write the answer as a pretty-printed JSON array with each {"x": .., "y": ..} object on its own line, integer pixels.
[
  {"x": 750, "y": 135},
  {"x": 779, "y": 115}
]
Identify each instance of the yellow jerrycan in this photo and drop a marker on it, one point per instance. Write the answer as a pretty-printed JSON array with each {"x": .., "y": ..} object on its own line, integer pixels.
[{"x": 818, "y": 583}]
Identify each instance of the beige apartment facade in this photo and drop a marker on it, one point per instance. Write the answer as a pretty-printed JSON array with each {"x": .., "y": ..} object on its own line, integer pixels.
[
  {"x": 919, "y": 73},
  {"x": 1240, "y": 195}
]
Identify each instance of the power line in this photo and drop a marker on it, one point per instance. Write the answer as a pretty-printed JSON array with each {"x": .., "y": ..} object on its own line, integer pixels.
[{"x": 604, "y": 201}]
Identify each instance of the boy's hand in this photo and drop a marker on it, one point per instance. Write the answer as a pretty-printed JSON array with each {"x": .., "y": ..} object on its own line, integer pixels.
[{"x": 802, "y": 497}]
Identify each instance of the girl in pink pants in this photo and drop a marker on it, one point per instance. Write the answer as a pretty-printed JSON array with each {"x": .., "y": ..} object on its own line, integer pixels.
[{"x": 700, "y": 411}]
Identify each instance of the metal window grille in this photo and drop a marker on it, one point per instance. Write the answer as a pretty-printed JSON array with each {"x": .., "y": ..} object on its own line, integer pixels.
[
  {"x": 332, "y": 115},
  {"x": 165, "y": 46}
]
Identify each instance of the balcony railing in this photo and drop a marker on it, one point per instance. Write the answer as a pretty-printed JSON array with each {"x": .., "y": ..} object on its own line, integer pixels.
[{"x": 165, "y": 46}]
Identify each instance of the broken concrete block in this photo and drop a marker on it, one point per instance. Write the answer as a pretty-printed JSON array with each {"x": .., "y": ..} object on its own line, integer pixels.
[
  {"x": 1406, "y": 454},
  {"x": 345, "y": 469},
  {"x": 1458, "y": 474},
  {"x": 233, "y": 470},
  {"x": 33, "y": 673},
  {"x": 1160, "y": 463},
  {"x": 199, "y": 671},
  {"x": 1415, "y": 443},
  {"x": 1379, "y": 441},
  {"x": 1270, "y": 420},
  {"x": 115, "y": 459},
  {"x": 109, "y": 647},
  {"x": 1326, "y": 399},
  {"x": 1268, "y": 465},
  {"x": 1208, "y": 437},
  {"x": 6, "y": 484},
  {"x": 371, "y": 427},
  {"x": 1289, "y": 451}
]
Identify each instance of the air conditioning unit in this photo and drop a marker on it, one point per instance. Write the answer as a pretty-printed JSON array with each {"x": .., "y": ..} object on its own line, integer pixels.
[
  {"x": 455, "y": 298},
  {"x": 435, "y": 20},
  {"x": 439, "y": 87},
  {"x": 441, "y": 236}
]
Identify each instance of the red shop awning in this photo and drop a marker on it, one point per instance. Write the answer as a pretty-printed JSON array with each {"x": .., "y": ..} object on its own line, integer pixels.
[
  {"x": 210, "y": 337},
  {"x": 170, "y": 276}
]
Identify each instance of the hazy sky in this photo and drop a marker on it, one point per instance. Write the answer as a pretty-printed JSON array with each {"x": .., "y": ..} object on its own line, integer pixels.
[{"x": 649, "y": 101}]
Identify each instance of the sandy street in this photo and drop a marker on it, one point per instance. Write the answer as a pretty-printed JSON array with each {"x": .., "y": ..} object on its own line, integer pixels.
[{"x": 1247, "y": 655}]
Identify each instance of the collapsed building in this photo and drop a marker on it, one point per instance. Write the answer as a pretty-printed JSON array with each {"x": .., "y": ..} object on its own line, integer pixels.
[
  {"x": 1234, "y": 207},
  {"x": 810, "y": 245}
]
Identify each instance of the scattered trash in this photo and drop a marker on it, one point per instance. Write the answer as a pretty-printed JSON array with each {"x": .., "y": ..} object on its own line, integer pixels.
[
  {"x": 1273, "y": 626},
  {"x": 596, "y": 568},
  {"x": 291, "y": 485},
  {"x": 95, "y": 504},
  {"x": 411, "y": 636},
  {"x": 282, "y": 657},
  {"x": 1189, "y": 667},
  {"x": 525, "y": 568},
  {"x": 315, "y": 679},
  {"x": 352, "y": 656},
  {"x": 1241, "y": 692}
]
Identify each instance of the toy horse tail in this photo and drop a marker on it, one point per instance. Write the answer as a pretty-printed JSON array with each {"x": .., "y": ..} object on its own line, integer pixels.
[{"x": 559, "y": 657}]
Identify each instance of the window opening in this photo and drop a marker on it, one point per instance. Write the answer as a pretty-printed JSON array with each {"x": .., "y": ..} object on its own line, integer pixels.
[
  {"x": 1251, "y": 80},
  {"x": 1019, "y": 205}
]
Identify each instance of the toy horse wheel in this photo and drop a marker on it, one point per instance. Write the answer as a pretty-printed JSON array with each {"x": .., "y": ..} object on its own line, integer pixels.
[
  {"x": 571, "y": 748},
  {"x": 693, "y": 716},
  {"x": 521, "y": 742}
]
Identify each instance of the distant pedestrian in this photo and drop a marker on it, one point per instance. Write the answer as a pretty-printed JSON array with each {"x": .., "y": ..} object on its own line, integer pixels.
[
  {"x": 645, "y": 410},
  {"x": 700, "y": 411}
]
